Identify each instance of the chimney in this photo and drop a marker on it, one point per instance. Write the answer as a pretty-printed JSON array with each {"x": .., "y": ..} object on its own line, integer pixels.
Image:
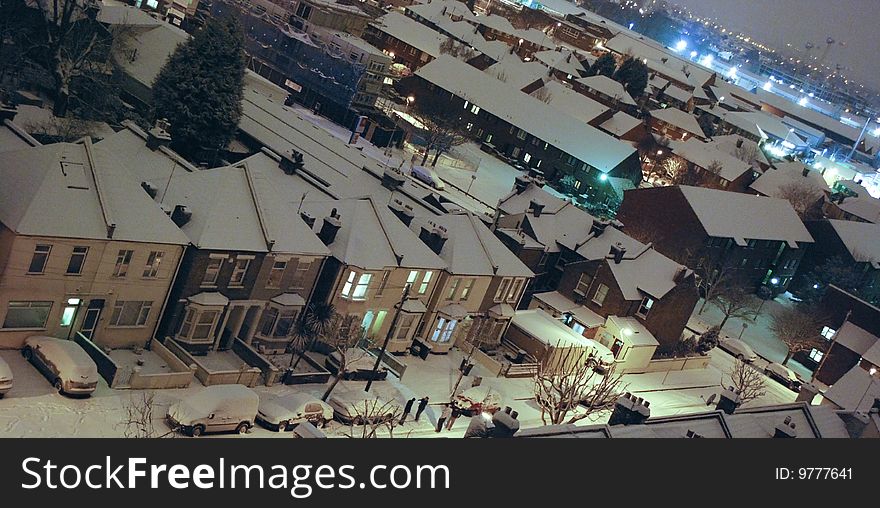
[
  {"x": 536, "y": 208},
  {"x": 181, "y": 215},
  {"x": 739, "y": 143},
  {"x": 806, "y": 171},
  {"x": 308, "y": 219},
  {"x": 158, "y": 135},
  {"x": 855, "y": 423},
  {"x": 150, "y": 188},
  {"x": 505, "y": 424},
  {"x": 392, "y": 179},
  {"x": 598, "y": 227},
  {"x": 680, "y": 274},
  {"x": 330, "y": 227},
  {"x": 729, "y": 400},
  {"x": 786, "y": 429},
  {"x": 630, "y": 410},
  {"x": 568, "y": 58},
  {"x": 434, "y": 237},
  {"x": 291, "y": 162},
  {"x": 521, "y": 184},
  {"x": 840, "y": 199},
  {"x": 402, "y": 211},
  {"x": 7, "y": 112},
  {"x": 617, "y": 252},
  {"x": 807, "y": 393}
]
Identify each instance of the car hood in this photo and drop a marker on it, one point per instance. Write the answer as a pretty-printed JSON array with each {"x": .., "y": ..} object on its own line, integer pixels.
[
  {"x": 275, "y": 412},
  {"x": 5, "y": 371},
  {"x": 183, "y": 413}
]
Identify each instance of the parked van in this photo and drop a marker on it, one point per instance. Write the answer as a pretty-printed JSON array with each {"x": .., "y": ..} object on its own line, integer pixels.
[
  {"x": 64, "y": 363},
  {"x": 427, "y": 176},
  {"x": 217, "y": 408},
  {"x": 5, "y": 377}
]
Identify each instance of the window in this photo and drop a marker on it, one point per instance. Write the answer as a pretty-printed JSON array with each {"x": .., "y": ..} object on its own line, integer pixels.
[
  {"x": 404, "y": 325},
  {"x": 543, "y": 260},
  {"x": 275, "y": 274},
  {"x": 277, "y": 323},
  {"x": 527, "y": 157},
  {"x": 39, "y": 259},
  {"x": 360, "y": 290},
  {"x": 212, "y": 271},
  {"x": 77, "y": 260},
  {"x": 466, "y": 290},
  {"x": 444, "y": 329},
  {"x": 239, "y": 270},
  {"x": 515, "y": 152},
  {"x": 645, "y": 307},
  {"x": 349, "y": 282},
  {"x": 453, "y": 288},
  {"x": 601, "y": 293},
  {"x": 303, "y": 10},
  {"x": 130, "y": 313},
  {"x": 502, "y": 289},
  {"x": 383, "y": 283},
  {"x": 583, "y": 284},
  {"x": 521, "y": 134},
  {"x": 513, "y": 293},
  {"x": 151, "y": 269},
  {"x": 68, "y": 314},
  {"x": 27, "y": 314},
  {"x": 426, "y": 280},
  {"x": 300, "y": 274},
  {"x": 828, "y": 333},
  {"x": 816, "y": 355},
  {"x": 123, "y": 259},
  {"x": 577, "y": 327},
  {"x": 475, "y": 109},
  {"x": 198, "y": 325}
]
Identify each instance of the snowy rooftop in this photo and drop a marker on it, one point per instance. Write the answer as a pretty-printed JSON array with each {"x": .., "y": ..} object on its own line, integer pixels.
[
  {"x": 126, "y": 15},
  {"x": 552, "y": 332},
  {"x": 773, "y": 181},
  {"x": 564, "y": 61},
  {"x": 151, "y": 49},
  {"x": 745, "y": 217},
  {"x": 516, "y": 73},
  {"x": 855, "y": 338},
  {"x": 565, "y": 132},
  {"x": 438, "y": 9},
  {"x": 764, "y": 125},
  {"x": 79, "y": 191},
  {"x": 639, "y": 335},
  {"x": 660, "y": 59},
  {"x": 867, "y": 208},
  {"x": 678, "y": 93},
  {"x": 728, "y": 144},
  {"x": 705, "y": 155},
  {"x": 862, "y": 239},
  {"x": 856, "y": 390},
  {"x": 13, "y": 137},
  {"x": 410, "y": 32},
  {"x": 681, "y": 119},
  {"x": 607, "y": 86},
  {"x": 620, "y": 124},
  {"x": 566, "y": 100},
  {"x": 562, "y": 304}
]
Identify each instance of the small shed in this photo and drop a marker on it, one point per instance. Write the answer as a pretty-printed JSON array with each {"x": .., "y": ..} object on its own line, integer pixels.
[
  {"x": 548, "y": 339},
  {"x": 630, "y": 342}
]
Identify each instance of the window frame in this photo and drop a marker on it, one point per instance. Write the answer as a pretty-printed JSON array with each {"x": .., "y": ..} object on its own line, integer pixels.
[
  {"x": 237, "y": 270},
  {"x": 38, "y": 253},
  {"x": 123, "y": 262},
  {"x": 82, "y": 262},
  {"x": 141, "y": 316},
  {"x": 275, "y": 269},
  {"x": 600, "y": 301},
  {"x": 213, "y": 282},
  {"x": 28, "y": 304},
  {"x": 151, "y": 267}
]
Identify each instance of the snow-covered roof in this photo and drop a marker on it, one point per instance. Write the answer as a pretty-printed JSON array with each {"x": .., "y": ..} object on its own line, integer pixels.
[
  {"x": 609, "y": 87},
  {"x": 745, "y": 217},
  {"x": 855, "y": 338},
  {"x": 467, "y": 33},
  {"x": 117, "y": 14},
  {"x": 563, "y": 60},
  {"x": 151, "y": 49},
  {"x": 209, "y": 299},
  {"x": 410, "y": 32},
  {"x": 863, "y": 207},
  {"x": 660, "y": 59},
  {"x": 645, "y": 273},
  {"x": 502, "y": 24},
  {"x": 872, "y": 355},
  {"x": 678, "y": 93},
  {"x": 439, "y": 9},
  {"x": 861, "y": 239},
  {"x": 13, "y": 137},
  {"x": 763, "y": 125},
  {"x": 516, "y": 73},
  {"x": 565, "y": 100},
  {"x": 639, "y": 335},
  {"x": 855, "y": 391},
  {"x": 620, "y": 124},
  {"x": 79, "y": 191},
  {"x": 289, "y": 300},
  {"x": 728, "y": 143},
  {"x": 562, "y": 304},
  {"x": 564, "y": 132},
  {"x": 681, "y": 119},
  {"x": 773, "y": 181},
  {"x": 706, "y": 155},
  {"x": 552, "y": 332}
]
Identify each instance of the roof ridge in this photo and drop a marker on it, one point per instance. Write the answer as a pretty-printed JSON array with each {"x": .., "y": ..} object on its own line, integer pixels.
[
  {"x": 258, "y": 207},
  {"x": 105, "y": 212},
  {"x": 381, "y": 222},
  {"x": 492, "y": 262}
]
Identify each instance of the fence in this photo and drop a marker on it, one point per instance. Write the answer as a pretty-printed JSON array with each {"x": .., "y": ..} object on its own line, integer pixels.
[
  {"x": 107, "y": 368},
  {"x": 271, "y": 373},
  {"x": 320, "y": 375},
  {"x": 392, "y": 363},
  {"x": 686, "y": 363},
  {"x": 247, "y": 375},
  {"x": 181, "y": 374}
]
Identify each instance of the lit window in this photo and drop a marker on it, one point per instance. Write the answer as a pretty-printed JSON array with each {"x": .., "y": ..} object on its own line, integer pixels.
[
  {"x": 67, "y": 315},
  {"x": 349, "y": 282},
  {"x": 151, "y": 269},
  {"x": 426, "y": 280},
  {"x": 645, "y": 307},
  {"x": 583, "y": 284},
  {"x": 275, "y": 274},
  {"x": 444, "y": 329},
  {"x": 239, "y": 270},
  {"x": 77, "y": 260},
  {"x": 816, "y": 355},
  {"x": 577, "y": 327},
  {"x": 828, "y": 333},
  {"x": 130, "y": 313},
  {"x": 475, "y": 109},
  {"x": 413, "y": 275},
  {"x": 466, "y": 290},
  {"x": 27, "y": 314},
  {"x": 360, "y": 290},
  {"x": 39, "y": 259},
  {"x": 601, "y": 293},
  {"x": 212, "y": 271},
  {"x": 123, "y": 259},
  {"x": 527, "y": 157}
]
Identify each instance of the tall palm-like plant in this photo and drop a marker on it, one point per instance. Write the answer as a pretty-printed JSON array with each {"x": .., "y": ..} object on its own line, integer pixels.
[{"x": 313, "y": 325}]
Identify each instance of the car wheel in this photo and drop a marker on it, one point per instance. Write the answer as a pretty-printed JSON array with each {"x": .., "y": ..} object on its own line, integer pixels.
[
  {"x": 27, "y": 353},
  {"x": 740, "y": 357},
  {"x": 243, "y": 427},
  {"x": 197, "y": 430},
  {"x": 282, "y": 426},
  {"x": 58, "y": 385}
]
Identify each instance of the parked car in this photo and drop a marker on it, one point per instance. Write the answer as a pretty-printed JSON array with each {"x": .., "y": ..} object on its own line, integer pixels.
[
  {"x": 358, "y": 369},
  {"x": 784, "y": 375},
  {"x": 363, "y": 411},
  {"x": 5, "y": 378},
  {"x": 479, "y": 399},
  {"x": 281, "y": 413},
  {"x": 739, "y": 349},
  {"x": 217, "y": 408},
  {"x": 64, "y": 363},
  {"x": 428, "y": 176}
]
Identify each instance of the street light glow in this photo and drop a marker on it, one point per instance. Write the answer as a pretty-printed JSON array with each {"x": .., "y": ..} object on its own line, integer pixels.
[
  {"x": 681, "y": 45},
  {"x": 774, "y": 280},
  {"x": 767, "y": 86},
  {"x": 802, "y": 101},
  {"x": 603, "y": 177}
]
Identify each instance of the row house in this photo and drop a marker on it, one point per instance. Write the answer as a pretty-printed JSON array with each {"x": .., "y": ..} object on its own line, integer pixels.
[
  {"x": 713, "y": 168},
  {"x": 762, "y": 238},
  {"x": 82, "y": 248},
  {"x": 851, "y": 331},
  {"x": 602, "y": 282},
  {"x": 404, "y": 39},
  {"x": 787, "y": 177},
  {"x": 523, "y": 42},
  {"x": 515, "y": 125},
  {"x": 606, "y": 91},
  {"x": 675, "y": 124}
]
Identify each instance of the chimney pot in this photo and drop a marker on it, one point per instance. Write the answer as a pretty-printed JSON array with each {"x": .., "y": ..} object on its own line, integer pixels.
[
  {"x": 181, "y": 215},
  {"x": 629, "y": 410},
  {"x": 617, "y": 252},
  {"x": 729, "y": 401},
  {"x": 158, "y": 136},
  {"x": 536, "y": 208},
  {"x": 291, "y": 162},
  {"x": 330, "y": 227}
]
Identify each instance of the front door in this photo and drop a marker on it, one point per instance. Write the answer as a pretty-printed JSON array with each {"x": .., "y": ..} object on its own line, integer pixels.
[{"x": 90, "y": 318}]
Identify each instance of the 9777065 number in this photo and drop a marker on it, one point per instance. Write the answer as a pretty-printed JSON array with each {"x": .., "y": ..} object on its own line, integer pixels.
[{"x": 814, "y": 473}]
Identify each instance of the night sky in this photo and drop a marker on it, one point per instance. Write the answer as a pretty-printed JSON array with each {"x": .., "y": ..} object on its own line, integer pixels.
[{"x": 776, "y": 22}]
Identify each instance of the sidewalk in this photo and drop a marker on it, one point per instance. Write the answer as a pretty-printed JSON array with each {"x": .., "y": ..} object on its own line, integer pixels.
[{"x": 672, "y": 380}]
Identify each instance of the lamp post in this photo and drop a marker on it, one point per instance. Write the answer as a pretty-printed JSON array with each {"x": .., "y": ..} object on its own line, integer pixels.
[{"x": 391, "y": 330}]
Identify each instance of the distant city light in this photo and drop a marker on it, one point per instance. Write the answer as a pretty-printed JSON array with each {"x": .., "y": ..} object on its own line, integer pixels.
[
  {"x": 694, "y": 54},
  {"x": 767, "y": 86},
  {"x": 706, "y": 60},
  {"x": 732, "y": 73},
  {"x": 802, "y": 101},
  {"x": 681, "y": 45},
  {"x": 815, "y": 286},
  {"x": 876, "y": 132},
  {"x": 631, "y": 25},
  {"x": 774, "y": 280},
  {"x": 603, "y": 177}
]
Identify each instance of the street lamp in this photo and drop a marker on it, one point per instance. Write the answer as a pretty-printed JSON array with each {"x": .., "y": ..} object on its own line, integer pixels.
[{"x": 774, "y": 280}]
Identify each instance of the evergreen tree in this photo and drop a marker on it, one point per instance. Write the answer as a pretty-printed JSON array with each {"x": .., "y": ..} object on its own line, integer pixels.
[
  {"x": 199, "y": 90},
  {"x": 604, "y": 66},
  {"x": 633, "y": 75}
]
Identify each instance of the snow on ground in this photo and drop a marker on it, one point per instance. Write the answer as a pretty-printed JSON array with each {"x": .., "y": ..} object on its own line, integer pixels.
[{"x": 151, "y": 362}]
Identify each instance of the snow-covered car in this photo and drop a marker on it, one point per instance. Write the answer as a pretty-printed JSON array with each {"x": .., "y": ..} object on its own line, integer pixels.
[
  {"x": 739, "y": 349},
  {"x": 479, "y": 399},
  {"x": 784, "y": 375},
  {"x": 5, "y": 378},
  {"x": 363, "y": 411},
  {"x": 64, "y": 363},
  {"x": 282, "y": 413},
  {"x": 217, "y": 408},
  {"x": 428, "y": 176}
]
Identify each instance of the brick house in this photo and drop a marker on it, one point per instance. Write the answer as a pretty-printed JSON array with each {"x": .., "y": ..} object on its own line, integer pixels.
[{"x": 852, "y": 332}]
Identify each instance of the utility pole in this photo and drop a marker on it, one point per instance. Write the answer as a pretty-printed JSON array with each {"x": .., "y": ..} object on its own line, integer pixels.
[{"x": 388, "y": 334}]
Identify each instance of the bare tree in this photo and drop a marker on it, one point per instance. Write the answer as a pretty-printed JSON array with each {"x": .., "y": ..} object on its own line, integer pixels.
[
  {"x": 715, "y": 167},
  {"x": 802, "y": 196},
  {"x": 798, "y": 328},
  {"x": 343, "y": 336},
  {"x": 747, "y": 381},
  {"x": 565, "y": 382},
  {"x": 747, "y": 152},
  {"x": 543, "y": 94},
  {"x": 139, "y": 419},
  {"x": 55, "y": 129},
  {"x": 374, "y": 415},
  {"x": 672, "y": 167},
  {"x": 713, "y": 280},
  {"x": 443, "y": 129},
  {"x": 734, "y": 302}
]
